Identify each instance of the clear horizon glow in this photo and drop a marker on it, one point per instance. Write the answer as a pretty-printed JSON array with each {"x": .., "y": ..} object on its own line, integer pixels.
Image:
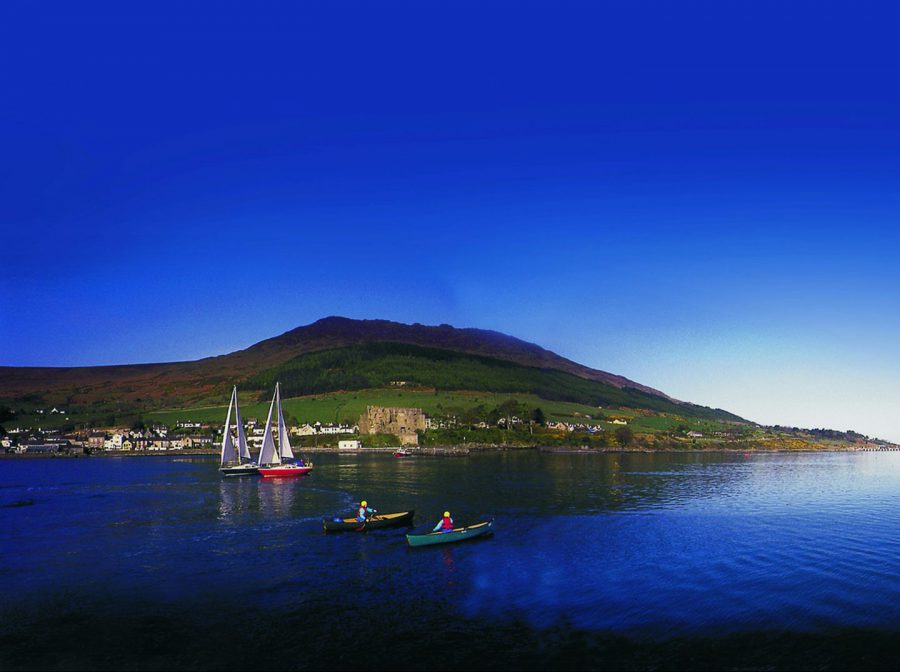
[{"x": 703, "y": 198}]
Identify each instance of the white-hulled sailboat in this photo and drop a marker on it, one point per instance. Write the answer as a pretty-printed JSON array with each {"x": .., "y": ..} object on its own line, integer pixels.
[
  {"x": 273, "y": 462},
  {"x": 236, "y": 460}
]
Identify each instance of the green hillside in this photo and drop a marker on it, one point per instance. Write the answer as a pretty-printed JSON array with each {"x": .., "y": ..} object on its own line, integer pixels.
[
  {"x": 330, "y": 358},
  {"x": 348, "y": 406},
  {"x": 379, "y": 365}
]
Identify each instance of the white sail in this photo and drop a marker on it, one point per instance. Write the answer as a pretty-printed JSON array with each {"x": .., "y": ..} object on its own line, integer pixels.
[
  {"x": 243, "y": 450},
  {"x": 268, "y": 454},
  {"x": 284, "y": 443},
  {"x": 228, "y": 452}
]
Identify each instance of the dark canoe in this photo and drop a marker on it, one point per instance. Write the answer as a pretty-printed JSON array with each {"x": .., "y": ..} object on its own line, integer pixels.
[
  {"x": 373, "y": 523},
  {"x": 461, "y": 534}
]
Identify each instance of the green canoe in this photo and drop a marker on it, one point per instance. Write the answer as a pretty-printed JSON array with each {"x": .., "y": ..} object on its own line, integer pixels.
[
  {"x": 461, "y": 534},
  {"x": 375, "y": 522}
]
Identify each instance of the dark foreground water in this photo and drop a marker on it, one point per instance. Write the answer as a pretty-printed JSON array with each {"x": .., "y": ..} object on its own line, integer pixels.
[{"x": 647, "y": 561}]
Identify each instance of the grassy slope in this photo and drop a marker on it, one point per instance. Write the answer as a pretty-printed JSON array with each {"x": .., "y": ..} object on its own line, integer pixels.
[
  {"x": 116, "y": 389},
  {"x": 328, "y": 386},
  {"x": 379, "y": 364},
  {"x": 347, "y": 407},
  {"x": 369, "y": 366}
]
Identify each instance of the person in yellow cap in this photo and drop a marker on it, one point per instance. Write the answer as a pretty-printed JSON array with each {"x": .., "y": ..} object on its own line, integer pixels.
[
  {"x": 445, "y": 524},
  {"x": 363, "y": 511}
]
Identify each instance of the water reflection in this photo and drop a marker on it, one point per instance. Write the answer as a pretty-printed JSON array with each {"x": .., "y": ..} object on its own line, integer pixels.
[
  {"x": 654, "y": 545},
  {"x": 449, "y": 567},
  {"x": 235, "y": 495},
  {"x": 276, "y": 495}
]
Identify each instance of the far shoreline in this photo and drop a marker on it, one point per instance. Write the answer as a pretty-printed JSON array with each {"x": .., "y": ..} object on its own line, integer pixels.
[{"x": 457, "y": 451}]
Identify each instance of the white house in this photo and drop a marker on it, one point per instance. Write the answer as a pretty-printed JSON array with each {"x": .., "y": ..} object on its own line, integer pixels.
[
  {"x": 349, "y": 445},
  {"x": 336, "y": 429}
]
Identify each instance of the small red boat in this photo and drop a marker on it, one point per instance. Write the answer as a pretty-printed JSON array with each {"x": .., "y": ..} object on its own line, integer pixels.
[
  {"x": 402, "y": 453},
  {"x": 284, "y": 471}
]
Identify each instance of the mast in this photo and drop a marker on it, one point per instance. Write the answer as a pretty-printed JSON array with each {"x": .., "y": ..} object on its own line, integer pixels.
[
  {"x": 228, "y": 453},
  {"x": 268, "y": 454},
  {"x": 243, "y": 450},
  {"x": 284, "y": 443}
]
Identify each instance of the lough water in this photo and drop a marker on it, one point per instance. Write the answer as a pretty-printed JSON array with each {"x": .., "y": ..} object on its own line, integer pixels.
[{"x": 598, "y": 561}]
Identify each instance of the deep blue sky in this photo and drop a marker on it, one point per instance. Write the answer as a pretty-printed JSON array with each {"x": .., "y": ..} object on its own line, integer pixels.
[{"x": 701, "y": 196}]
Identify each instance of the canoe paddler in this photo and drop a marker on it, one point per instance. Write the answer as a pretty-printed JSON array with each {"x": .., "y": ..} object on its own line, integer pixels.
[
  {"x": 445, "y": 524},
  {"x": 362, "y": 513}
]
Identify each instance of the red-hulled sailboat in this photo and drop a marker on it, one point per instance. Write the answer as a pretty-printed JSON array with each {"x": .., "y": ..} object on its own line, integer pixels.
[{"x": 279, "y": 463}]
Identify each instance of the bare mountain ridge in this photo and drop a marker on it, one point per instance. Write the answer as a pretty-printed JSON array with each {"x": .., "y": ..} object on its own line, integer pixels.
[{"x": 174, "y": 382}]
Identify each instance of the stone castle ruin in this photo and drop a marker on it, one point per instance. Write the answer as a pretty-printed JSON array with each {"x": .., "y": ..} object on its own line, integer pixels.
[{"x": 402, "y": 422}]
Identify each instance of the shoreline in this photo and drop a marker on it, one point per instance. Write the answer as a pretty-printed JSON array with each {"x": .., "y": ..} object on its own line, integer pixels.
[{"x": 454, "y": 451}]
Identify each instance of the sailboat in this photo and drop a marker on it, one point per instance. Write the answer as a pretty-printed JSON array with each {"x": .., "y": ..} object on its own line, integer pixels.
[
  {"x": 236, "y": 460},
  {"x": 274, "y": 462}
]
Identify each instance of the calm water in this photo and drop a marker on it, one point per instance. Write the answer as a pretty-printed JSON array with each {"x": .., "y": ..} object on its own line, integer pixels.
[{"x": 643, "y": 561}]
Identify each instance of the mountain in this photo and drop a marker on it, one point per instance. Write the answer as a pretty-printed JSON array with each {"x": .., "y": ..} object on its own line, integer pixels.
[
  {"x": 335, "y": 332},
  {"x": 337, "y": 353}
]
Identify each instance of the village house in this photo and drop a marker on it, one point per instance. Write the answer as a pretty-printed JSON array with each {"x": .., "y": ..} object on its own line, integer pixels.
[
  {"x": 318, "y": 428},
  {"x": 441, "y": 423},
  {"x": 139, "y": 442},
  {"x": 336, "y": 429},
  {"x": 197, "y": 440},
  {"x": 303, "y": 430},
  {"x": 255, "y": 438},
  {"x": 159, "y": 443},
  {"x": 114, "y": 442},
  {"x": 42, "y": 446},
  {"x": 78, "y": 438}
]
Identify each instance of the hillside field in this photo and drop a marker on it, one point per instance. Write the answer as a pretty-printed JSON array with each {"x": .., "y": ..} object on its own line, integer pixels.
[{"x": 346, "y": 407}]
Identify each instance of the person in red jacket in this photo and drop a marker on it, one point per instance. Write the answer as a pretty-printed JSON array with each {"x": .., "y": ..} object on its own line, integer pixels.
[{"x": 445, "y": 524}]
